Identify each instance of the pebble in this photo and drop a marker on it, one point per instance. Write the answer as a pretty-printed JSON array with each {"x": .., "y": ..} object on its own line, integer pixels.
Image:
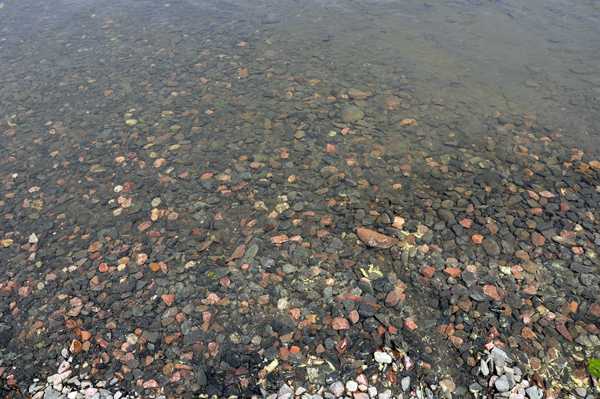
[{"x": 382, "y": 357}]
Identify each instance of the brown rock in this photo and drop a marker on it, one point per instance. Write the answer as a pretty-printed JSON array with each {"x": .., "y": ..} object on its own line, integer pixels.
[
  {"x": 375, "y": 239},
  {"x": 595, "y": 309},
  {"x": 239, "y": 252},
  {"x": 357, "y": 94},
  {"x": 530, "y": 267},
  {"x": 537, "y": 239},
  {"x": 522, "y": 255},
  {"x": 95, "y": 246}
]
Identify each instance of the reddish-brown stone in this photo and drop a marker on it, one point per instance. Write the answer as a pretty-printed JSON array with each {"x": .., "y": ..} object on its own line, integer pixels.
[
  {"x": 428, "y": 271},
  {"x": 392, "y": 298},
  {"x": 456, "y": 341},
  {"x": 239, "y": 252},
  {"x": 452, "y": 272},
  {"x": 284, "y": 353},
  {"x": 375, "y": 239},
  {"x": 490, "y": 290},
  {"x": 564, "y": 332},
  {"x": 339, "y": 323},
  {"x": 595, "y": 309},
  {"x": 537, "y": 239}
]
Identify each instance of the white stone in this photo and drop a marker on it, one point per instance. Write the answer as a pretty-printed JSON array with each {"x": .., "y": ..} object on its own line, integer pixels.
[
  {"x": 372, "y": 391},
  {"x": 484, "y": 368},
  {"x": 282, "y": 304},
  {"x": 351, "y": 386},
  {"x": 405, "y": 382},
  {"x": 118, "y": 188},
  {"x": 382, "y": 357},
  {"x": 385, "y": 394},
  {"x": 33, "y": 238}
]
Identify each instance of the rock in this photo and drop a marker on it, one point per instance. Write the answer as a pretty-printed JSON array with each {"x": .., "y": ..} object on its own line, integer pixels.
[
  {"x": 491, "y": 247},
  {"x": 375, "y": 239},
  {"x": 339, "y": 323},
  {"x": 351, "y": 113},
  {"x": 502, "y": 384},
  {"x": 357, "y": 94},
  {"x": 351, "y": 386},
  {"x": 382, "y": 357},
  {"x": 337, "y": 388}
]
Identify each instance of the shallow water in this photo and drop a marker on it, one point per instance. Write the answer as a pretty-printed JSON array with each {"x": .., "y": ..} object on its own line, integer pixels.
[{"x": 193, "y": 100}]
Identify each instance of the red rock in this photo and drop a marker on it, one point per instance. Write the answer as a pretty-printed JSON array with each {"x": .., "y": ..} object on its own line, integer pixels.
[
  {"x": 595, "y": 309},
  {"x": 339, "y": 323},
  {"x": 360, "y": 395},
  {"x": 168, "y": 298},
  {"x": 354, "y": 317},
  {"x": 393, "y": 297},
  {"x": 150, "y": 384},
  {"x": 239, "y": 252},
  {"x": 456, "y": 341},
  {"x": 428, "y": 271},
  {"x": 492, "y": 228},
  {"x": 342, "y": 345},
  {"x": 284, "y": 353},
  {"x": 530, "y": 290},
  {"x": 490, "y": 290},
  {"x": 243, "y": 73},
  {"x": 537, "y": 239},
  {"x": 477, "y": 238},
  {"x": 452, "y": 272},
  {"x": 143, "y": 226},
  {"x": 263, "y": 299},
  {"x": 375, "y": 239},
  {"x": 564, "y": 332},
  {"x": 466, "y": 223},
  {"x": 410, "y": 324},
  {"x": 25, "y": 291},
  {"x": 279, "y": 239}
]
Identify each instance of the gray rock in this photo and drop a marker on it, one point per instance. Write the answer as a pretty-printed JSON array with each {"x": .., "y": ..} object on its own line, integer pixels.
[
  {"x": 491, "y": 247},
  {"x": 405, "y": 382},
  {"x": 285, "y": 389},
  {"x": 50, "y": 393},
  {"x": 271, "y": 18},
  {"x": 502, "y": 384},
  {"x": 337, "y": 388},
  {"x": 351, "y": 113},
  {"x": 387, "y": 394},
  {"x": 534, "y": 392}
]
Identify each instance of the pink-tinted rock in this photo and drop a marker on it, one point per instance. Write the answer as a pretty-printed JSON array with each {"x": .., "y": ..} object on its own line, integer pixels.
[
  {"x": 339, "y": 323},
  {"x": 25, "y": 291},
  {"x": 392, "y": 298}
]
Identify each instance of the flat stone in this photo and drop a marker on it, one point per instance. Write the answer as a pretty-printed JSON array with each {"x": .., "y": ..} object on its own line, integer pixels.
[
  {"x": 351, "y": 113},
  {"x": 382, "y": 357}
]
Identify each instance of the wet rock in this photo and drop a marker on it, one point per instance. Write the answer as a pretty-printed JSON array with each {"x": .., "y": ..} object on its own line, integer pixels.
[{"x": 351, "y": 113}]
